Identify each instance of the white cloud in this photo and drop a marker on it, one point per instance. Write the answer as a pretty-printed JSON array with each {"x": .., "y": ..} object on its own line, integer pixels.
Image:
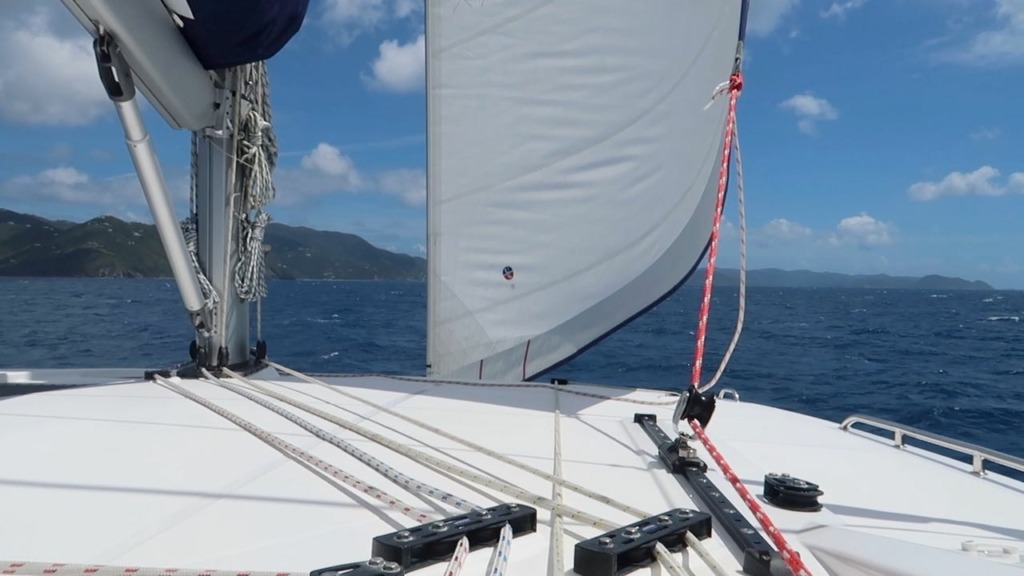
[
  {"x": 809, "y": 110},
  {"x": 347, "y": 19},
  {"x": 1000, "y": 45},
  {"x": 838, "y": 10},
  {"x": 766, "y": 15},
  {"x": 983, "y": 134},
  {"x": 409, "y": 185},
  {"x": 399, "y": 67},
  {"x": 781, "y": 229},
  {"x": 63, "y": 185},
  {"x": 862, "y": 230},
  {"x": 47, "y": 75},
  {"x": 328, "y": 160},
  {"x": 981, "y": 182},
  {"x": 406, "y": 8}
]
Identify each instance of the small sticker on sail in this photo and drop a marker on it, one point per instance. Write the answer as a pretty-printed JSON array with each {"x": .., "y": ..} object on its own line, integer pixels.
[{"x": 507, "y": 272}]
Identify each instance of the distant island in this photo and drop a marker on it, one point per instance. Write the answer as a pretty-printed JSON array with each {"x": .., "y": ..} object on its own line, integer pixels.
[
  {"x": 776, "y": 278},
  {"x": 109, "y": 247}
]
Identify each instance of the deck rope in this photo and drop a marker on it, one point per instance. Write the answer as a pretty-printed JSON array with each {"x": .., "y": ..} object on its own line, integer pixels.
[
  {"x": 498, "y": 564},
  {"x": 458, "y": 558},
  {"x": 403, "y": 480},
  {"x": 533, "y": 499},
  {"x": 60, "y": 569},
  {"x": 290, "y": 449},
  {"x": 417, "y": 455},
  {"x": 556, "y": 566},
  {"x": 559, "y": 389},
  {"x": 789, "y": 555},
  {"x": 553, "y": 478}
]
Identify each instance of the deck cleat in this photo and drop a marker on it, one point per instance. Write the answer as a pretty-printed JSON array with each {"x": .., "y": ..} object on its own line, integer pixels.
[
  {"x": 435, "y": 541},
  {"x": 626, "y": 549},
  {"x": 375, "y": 566}
]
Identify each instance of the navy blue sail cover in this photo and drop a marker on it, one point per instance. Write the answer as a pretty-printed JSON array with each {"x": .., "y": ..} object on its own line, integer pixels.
[{"x": 226, "y": 33}]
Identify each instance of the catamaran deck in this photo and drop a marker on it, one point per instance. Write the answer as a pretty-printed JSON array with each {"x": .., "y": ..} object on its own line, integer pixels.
[{"x": 136, "y": 474}]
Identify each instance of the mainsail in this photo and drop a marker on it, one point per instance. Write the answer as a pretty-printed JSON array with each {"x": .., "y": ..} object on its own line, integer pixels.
[{"x": 572, "y": 163}]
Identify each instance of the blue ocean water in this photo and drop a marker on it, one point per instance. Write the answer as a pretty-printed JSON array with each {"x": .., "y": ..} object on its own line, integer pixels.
[{"x": 950, "y": 362}]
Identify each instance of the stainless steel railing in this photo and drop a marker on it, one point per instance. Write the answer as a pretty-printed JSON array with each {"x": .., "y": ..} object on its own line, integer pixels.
[{"x": 979, "y": 454}]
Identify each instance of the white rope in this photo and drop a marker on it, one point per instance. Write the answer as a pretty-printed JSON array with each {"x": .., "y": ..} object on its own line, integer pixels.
[
  {"x": 741, "y": 314},
  {"x": 458, "y": 558},
  {"x": 60, "y": 569},
  {"x": 492, "y": 483},
  {"x": 489, "y": 482},
  {"x": 403, "y": 480},
  {"x": 602, "y": 498},
  {"x": 255, "y": 160},
  {"x": 557, "y": 566},
  {"x": 250, "y": 270},
  {"x": 188, "y": 230},
  {"x": 498, "y": 564},
  {"x": 290, "y": 449},
  {"x": 559, "y": 389}
]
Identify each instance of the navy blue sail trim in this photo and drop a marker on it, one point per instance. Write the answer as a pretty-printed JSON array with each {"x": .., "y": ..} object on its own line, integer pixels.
[{"x": 227, "y": 33}]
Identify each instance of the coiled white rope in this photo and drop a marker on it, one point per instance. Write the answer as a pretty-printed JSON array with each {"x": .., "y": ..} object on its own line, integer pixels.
[
  {"x": 255, "y": 161},
  {"x": 290, "y": 449},
  {"x": 400, "y": 479},
  {"x": 250, "y": 270}
]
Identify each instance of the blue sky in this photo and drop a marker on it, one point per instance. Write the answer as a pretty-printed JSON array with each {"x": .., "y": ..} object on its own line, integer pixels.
[{"x": 878, "y": 135}]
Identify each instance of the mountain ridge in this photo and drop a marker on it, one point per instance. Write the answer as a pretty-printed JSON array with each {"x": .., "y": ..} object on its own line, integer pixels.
[{"x": 109, "y": 247}]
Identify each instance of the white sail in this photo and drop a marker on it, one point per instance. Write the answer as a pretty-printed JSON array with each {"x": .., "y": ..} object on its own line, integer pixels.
[{"x": 572, "y": 170}]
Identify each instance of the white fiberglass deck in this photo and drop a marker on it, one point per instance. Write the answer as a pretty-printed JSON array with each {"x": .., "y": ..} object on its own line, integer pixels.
[{"x": 134, "y": 474}]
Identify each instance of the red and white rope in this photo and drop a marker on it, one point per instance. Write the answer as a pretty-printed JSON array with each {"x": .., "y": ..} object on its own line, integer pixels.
[
  {"x": 735, "y": 86},
  {"x": 742, "y": 310},
  {"x": 790, "y": 556},
  {"x": 60, "y": 569},
  {"x": 458, "y": 558}
]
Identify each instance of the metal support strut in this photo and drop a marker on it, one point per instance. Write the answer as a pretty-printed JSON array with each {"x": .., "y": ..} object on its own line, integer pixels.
[{"x": 116, "y": 76}]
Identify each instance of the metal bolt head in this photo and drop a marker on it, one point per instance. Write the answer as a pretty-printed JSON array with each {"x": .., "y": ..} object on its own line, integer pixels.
[
  {"x": 664, "y": 519},
  {"x": 632, "y": 532},
  {"x": 391, "y": 568},
  {"x": 375, "y": 562},
  {"x": 685, "y": 513},
  {"x": 748, "y": 530},
  {"x": 439, "y": 526},
  {"x": 403, "y": 536},
  {"x": 605, "y": 542}
]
